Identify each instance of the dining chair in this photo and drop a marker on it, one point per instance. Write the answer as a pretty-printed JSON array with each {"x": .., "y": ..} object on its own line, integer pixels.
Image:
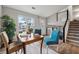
[
  {"x": 37, "y": 31},
  {"x": 10, "y": 48},
  {"x": 53, "y": 39}
]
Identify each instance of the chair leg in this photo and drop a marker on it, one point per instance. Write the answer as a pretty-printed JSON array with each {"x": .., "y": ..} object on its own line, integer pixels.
[
  {"x": 57, "y": 48},
  {"x": 16, "y": 52},
  {"x": 21, "y": 51},
  {"x": 47, "y": 49}
]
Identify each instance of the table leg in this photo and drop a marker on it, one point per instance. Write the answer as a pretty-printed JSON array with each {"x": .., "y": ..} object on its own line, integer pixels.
[
  {"x": 41, "y": 47},
  {"x": 24, "y": 49}
]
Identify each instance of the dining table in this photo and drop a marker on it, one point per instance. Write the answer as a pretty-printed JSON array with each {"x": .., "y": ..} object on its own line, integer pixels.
[{"x": 29, "y": 39}]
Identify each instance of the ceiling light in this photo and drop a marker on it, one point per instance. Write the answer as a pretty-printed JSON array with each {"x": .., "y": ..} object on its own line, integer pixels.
[{"x": 33, "y": 8}]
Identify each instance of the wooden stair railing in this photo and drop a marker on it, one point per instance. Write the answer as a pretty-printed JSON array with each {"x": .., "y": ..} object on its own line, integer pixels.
[{"x": 65, "y": 27}]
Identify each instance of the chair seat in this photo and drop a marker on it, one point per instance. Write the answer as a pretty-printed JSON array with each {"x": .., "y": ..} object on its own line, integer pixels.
[
  {"x": 15, "y": 46},
  {"x": 51, "y": 42},
  {"x": 48, "y": 41}
]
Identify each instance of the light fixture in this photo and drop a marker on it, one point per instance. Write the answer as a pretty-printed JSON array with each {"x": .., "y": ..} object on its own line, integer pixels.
[{"x": 33, "y": 8}]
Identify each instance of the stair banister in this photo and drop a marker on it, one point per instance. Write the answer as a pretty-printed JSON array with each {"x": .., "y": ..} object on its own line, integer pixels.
[{"x": 65, "y": 27}]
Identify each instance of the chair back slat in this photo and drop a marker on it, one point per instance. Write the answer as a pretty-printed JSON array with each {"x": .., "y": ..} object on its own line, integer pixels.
[
  {"x": 5, "y": 39},
  {"x": 55, "y": 35}
]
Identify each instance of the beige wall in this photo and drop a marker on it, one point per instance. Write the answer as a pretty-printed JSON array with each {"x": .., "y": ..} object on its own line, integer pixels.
[
  {"x": 15, "y": 13},
  {"x": 0, "y": 10},
  {"x": 0, "y": 15},
  {"x": 0, "y": 23}
]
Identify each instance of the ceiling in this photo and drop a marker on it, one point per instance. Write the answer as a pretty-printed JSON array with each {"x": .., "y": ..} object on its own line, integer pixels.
[{"x": 40, "y": 10}]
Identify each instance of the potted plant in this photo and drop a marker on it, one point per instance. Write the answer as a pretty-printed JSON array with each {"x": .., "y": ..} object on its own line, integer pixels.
[
  {"x": 8, "y": 26},
  {"x": 30, "y": 30}
]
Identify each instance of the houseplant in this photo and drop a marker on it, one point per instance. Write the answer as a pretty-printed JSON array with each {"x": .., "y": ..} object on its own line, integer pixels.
[
  {"x": 30, "y": 30},
  {"x": 8, "y": 25}
]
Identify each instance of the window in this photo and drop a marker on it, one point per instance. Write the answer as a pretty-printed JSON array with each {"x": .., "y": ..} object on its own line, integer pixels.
[
  {"x": 30, "y": 22},
  {"x": 25, "y": 22},
  {"x": 22, "y": 23}
]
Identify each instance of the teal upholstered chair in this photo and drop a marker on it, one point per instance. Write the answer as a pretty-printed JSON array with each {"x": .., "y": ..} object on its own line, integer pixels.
[{"x": 52, "y": 39}]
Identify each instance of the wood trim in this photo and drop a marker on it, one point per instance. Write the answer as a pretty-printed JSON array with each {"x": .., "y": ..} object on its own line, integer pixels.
[
  {"x": 65, "y": 27},
  {"x": 32, "y": 41}
]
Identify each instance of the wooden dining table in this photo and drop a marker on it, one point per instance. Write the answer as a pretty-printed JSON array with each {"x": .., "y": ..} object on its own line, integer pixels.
[{"x": 30, "y": 40}]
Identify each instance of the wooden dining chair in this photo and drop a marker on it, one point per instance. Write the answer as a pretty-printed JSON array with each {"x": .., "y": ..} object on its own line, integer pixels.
[{"x": 10, "y": 48}]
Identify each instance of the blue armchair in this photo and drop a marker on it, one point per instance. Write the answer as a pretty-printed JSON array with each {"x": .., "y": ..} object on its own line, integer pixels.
[{"x": 52, "y": 39}]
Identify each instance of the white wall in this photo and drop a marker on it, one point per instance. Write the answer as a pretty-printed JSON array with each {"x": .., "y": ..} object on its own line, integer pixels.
[
  {"x": 75, "y": 12},
  {"x": 52, "y": 19},
  {"x": 70, "y": 13},
  {"x": 61, "y": 19},
  {"x": 42, "y": 25},
  {"x": 15, "y": 13}
]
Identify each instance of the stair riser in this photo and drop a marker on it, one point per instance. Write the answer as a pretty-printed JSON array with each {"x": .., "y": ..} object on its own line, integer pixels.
[
  {"x": 73, "y": 26},
  {"x": 75, "y": 32},
  {"x": 73, "y": 42},
  {"x": 73, "y": 29},
  {"x": 73, "y": 35},
  {"x": 74, "y": 22},
  {"x": 77, "y": 39}
]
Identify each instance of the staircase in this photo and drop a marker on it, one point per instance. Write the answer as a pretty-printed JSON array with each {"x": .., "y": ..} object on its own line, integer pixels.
[{"x": 73, "y": 32}]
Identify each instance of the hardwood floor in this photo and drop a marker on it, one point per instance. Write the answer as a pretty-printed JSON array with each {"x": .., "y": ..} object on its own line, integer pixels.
[
  {"x": 34, "y": 49},
  {"x": 64, "y": 48}
]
